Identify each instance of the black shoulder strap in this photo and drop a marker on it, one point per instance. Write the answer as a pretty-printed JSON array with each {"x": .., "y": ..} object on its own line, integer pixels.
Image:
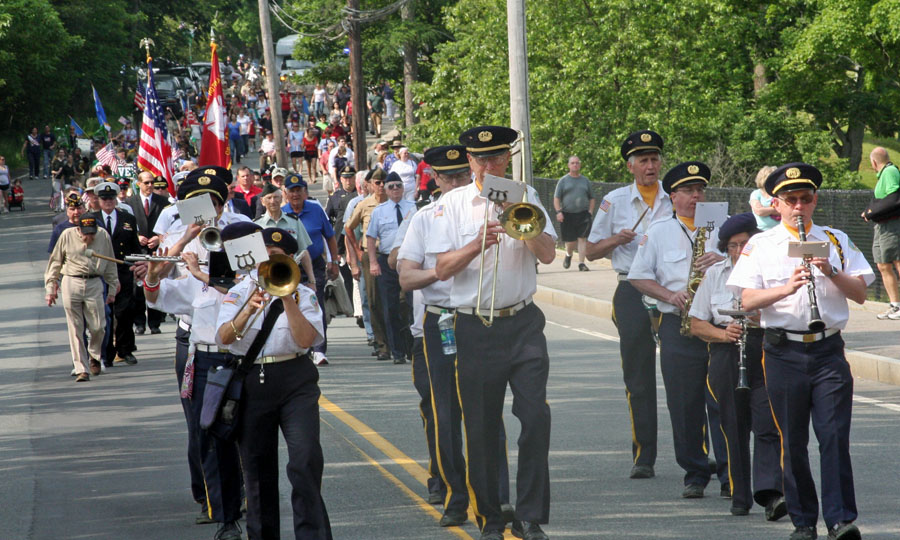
[{"x": 275, "y": 309}]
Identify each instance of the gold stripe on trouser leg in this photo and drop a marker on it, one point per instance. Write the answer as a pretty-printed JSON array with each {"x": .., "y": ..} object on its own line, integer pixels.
[
  {"x": 774, "y": 418},
  {"x": 473, "y": 502},
  {"x": 437, "y": 437},
  {"x": 634, "y": 440},
  {"x": 725, "y": 435}
]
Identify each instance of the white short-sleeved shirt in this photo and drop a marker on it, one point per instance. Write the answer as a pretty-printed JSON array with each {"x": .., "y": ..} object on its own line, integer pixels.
[
  {"x": 665, "y": 256},
  {"x": 458, "y": 217},
  {"x": 165, "y": 219},
  {"x": 188, "y": 296},
  {"x": 712, "y": 295},
  {"x": 413, "y": 248},
  {"x": 620, "y": 209},
  {"x": 383, "y": 222},
  {"x": 764, "y": 264},
  {"x": 280, "y": 341}
]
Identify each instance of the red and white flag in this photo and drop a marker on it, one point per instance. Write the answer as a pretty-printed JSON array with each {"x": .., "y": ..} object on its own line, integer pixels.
[
  {"x": 214, "y": 141},
  {"x": 155, "y": 153},
  {"x": 139, "y": 96},
  {"x": 107, "y": 156}
]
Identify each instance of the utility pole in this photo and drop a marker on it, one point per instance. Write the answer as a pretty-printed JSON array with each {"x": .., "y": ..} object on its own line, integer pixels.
[
  {"x": 519, "y": 115},
  {"x": 272, "y": 83},
  {"x": 410, "y": 67},
  {"x": 357, "y": 89}
]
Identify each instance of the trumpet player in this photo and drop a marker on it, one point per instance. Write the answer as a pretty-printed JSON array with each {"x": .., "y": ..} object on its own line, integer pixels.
[
  {"x": 673, "y": 252},
  {"x": 740, "y": 409},
  {"x": 196, "y": 296},
  {"x": 281, "y": 390},
  {"x": 622, "y": 218},
  {"x": 510, "y": 351},
  {"x": 807, "y": 376}
]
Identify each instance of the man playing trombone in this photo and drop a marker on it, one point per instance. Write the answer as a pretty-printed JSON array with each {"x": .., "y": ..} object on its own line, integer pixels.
[
  {"x": 803, "y": 305},
  {"x": 502, "y": 347}
]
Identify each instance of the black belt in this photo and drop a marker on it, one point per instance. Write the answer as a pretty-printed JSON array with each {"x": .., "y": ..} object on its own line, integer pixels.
[{"x": 83, "y": 276}]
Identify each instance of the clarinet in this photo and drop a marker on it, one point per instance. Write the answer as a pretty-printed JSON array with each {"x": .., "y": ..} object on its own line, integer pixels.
[
  {"x": 743, "y": 379},
  {"x": 816, "y": 324}
]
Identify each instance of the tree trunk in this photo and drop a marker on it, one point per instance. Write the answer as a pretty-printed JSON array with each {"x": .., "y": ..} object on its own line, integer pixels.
[
  {"x": 853, "y": 148},
  {"x": 357, "y": 92},
  {"x": 410, "y": 67},
  {"x": 760, "y": 79}
]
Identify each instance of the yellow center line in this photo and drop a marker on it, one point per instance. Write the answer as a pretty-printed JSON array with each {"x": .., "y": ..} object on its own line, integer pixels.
[{"x": 394, "y": 454}]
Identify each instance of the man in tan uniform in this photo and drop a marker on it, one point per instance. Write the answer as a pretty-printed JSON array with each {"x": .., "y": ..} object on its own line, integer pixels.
[
  {"x": 359, "y": 259},
  {"x": 81, "y": 290}
]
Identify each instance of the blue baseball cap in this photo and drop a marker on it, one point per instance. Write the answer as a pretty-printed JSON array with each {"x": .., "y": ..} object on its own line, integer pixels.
[{"x": 294, "y": 180}]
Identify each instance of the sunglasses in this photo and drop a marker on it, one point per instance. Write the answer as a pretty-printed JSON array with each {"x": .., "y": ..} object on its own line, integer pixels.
[
  {"x": 394, "y": 186},
  {"x": 378, "y": 183}
]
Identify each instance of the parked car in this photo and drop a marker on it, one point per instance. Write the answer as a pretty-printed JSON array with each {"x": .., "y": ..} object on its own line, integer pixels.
[
  {"x": 191, "y": 81},
  {"x": 169, "y": 89},
  {"x": 203, "y": 69}
]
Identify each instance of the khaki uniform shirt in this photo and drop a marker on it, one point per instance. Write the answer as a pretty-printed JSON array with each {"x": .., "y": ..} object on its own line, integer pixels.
[{"x": 68, "y": 259}]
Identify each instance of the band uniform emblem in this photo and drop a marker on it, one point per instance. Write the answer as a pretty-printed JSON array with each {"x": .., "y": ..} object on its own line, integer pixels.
[
  {"x": 204, "y": 180},
  {"x": 792, "y": 173},
  {"x": 485, "y": 136},
  {"x": 276, "y": 237},
  {"x": 645, "y": 137},
  {"x": 209, "y": 171},
  {"x": 693, "y": 169},
  {"x": 452, "y": 154}
]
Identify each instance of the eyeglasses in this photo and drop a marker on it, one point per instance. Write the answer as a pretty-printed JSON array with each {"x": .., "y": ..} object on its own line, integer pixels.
[
  {"x": 793, "y": 200},
  {"x": 736, "y": 245},
  {"x": 394, "y": 186}
]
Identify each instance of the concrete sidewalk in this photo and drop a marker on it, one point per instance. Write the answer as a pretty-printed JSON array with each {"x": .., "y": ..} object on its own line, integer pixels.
[{"x": 873, "y": 347}]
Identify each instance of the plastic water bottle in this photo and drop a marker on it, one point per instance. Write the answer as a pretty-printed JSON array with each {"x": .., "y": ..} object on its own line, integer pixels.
[{"x": 448, "y": 336}]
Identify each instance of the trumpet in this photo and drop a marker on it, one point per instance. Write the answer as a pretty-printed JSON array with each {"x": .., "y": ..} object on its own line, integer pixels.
[
  {"x": 816, "y": 324},
  {"x": 279, "y": 276},
  {"x": 211, "y": 238},
  {"x": 521, "y": 221}
]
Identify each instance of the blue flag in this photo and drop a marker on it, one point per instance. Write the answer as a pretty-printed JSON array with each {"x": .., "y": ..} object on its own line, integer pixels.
[
  {"x": 78, "y": 130},
  {"x": 101, "y": 116}
]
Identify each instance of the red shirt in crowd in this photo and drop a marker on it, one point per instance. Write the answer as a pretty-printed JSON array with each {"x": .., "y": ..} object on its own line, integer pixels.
[
  {"x": 423, "y": 171},
  {"x": 254, "y": 191}
]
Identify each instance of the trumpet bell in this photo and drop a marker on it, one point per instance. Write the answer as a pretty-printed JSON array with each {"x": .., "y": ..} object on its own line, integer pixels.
[
  {"x": 523, "y": 221},
  {"x": 279, "y": 276},
  {"x": 211, "y": 239}
]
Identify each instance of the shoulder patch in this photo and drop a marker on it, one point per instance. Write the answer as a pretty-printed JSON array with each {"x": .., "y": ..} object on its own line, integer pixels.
[
  {"x": 231, "y": 298},
  {"x": 314, "y": 302},
  {"x": 605, "y": 205},
  {"x": 439, "y": 210},
  {"x": 748, "y": 248},
  {"x": 643, "y": 240}
]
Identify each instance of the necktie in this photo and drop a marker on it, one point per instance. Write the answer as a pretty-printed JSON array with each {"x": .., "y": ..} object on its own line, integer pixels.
[
  {"x": 146, "y": 207},
  {"x": 399, "y": 214},
  {"x": 109, "y": 224}
]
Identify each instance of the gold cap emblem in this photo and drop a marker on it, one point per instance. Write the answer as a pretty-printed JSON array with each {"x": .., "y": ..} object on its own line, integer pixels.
[
  {"x": 693, "y": 169},
  {"x": 204, "y": 180},
  {"x": 485, "y": 136},
  {"x": 645, "y": 137},
  {"x": 276, "y": 237},
  {"x": 452, "y": 154},
  {"x": 793, "y": 172},
  {"x": 210, "y": 171}
]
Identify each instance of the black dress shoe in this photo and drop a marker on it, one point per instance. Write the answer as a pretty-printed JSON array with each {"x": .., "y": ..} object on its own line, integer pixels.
[
  {"x": 528, "y": 530},
  {"x": 739, "y": 511},
  {"x": 400, "y": 360},
  {"x": 383, "y": 356},
  {"x": 453, "y": 518},
  {"x": 127, "y": 359},
  {"x": 642, "y": 471},
  {"x": 435, "y": 498},
  {"x": 155, "y": 331},
  {"x": 508, "y": 512},
  {"x": 692, "y": 491},
  {"x": 776, "y": 508},
  {"x": 725, "y": 491},
  {"x": 492, "y": 535},
  {"x": 804, "y": 533},
  {"x": 139, "y": 330},
  {"x": 203, "y": 517},
  {"x": 844, "y": 531},
  {"x": 229, "y": 531}
]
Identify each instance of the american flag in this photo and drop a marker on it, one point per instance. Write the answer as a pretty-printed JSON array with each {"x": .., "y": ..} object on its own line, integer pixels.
[
  {"x": 155, "y": 152},
  {"x": 139, "y": 95},
  {"x": 107, "y": 156}
]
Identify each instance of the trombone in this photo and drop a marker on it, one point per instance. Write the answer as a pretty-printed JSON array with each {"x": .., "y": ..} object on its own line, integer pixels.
[
  {"x": 279, "y": 276},
  {"x": 521, "y": 221}
]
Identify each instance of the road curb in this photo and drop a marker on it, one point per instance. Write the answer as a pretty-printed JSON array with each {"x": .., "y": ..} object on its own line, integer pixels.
[{"x": 862, "y": 364}]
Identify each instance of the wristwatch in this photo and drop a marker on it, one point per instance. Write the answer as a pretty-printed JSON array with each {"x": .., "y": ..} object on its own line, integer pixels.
[{"x": 834, "y": 271}]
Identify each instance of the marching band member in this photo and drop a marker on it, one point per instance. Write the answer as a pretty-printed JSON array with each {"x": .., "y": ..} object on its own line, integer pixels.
[
  {"x": 280, "y": 391},
  {"x": 196, "y": 296},
  {"x": 739, "y": 411},
  {"x": 661, "y": 269},
  {"x": 623, "y": 218},
  {"x": 512, "y": 351},
  {"x": 807, "y": 375},
  {"x": 433, "y": 370}
]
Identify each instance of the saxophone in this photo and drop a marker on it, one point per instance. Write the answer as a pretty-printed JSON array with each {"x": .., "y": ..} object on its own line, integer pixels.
[{"x": 694, "y": 278}]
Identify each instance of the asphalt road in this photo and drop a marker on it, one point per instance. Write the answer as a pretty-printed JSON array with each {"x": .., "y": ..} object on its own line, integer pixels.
[{"x": 106, "y": 459}]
